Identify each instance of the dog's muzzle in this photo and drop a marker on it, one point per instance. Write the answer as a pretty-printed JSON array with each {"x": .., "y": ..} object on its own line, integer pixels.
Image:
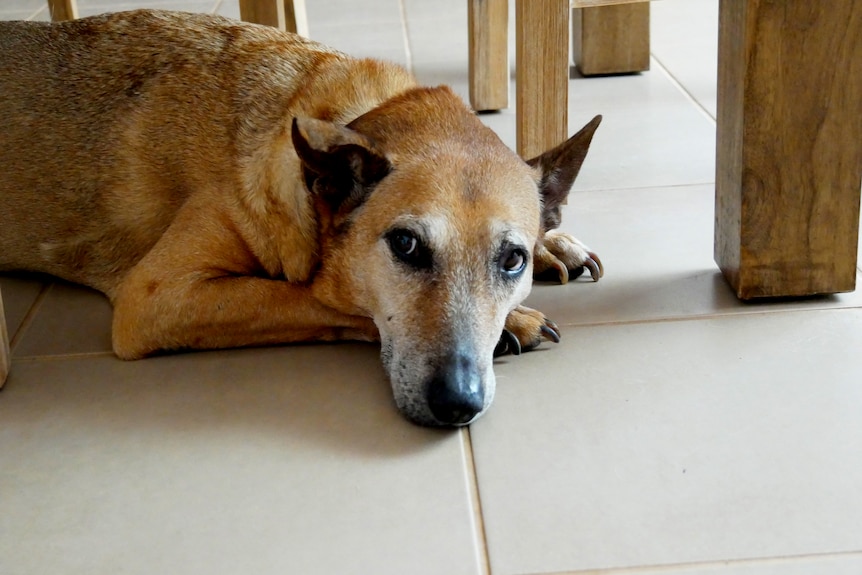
[{"x": 455, "y": 393}]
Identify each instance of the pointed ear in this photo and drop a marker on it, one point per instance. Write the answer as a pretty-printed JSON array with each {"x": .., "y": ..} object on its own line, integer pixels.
[
  {"x": 340, "y": 165},
  {"x": 560, "y": 167}
]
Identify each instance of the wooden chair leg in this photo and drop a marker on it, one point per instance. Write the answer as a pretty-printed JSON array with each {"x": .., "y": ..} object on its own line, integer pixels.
[
  {"x": 487, "y": 22},
  {"x": 789, "y": 154},
  {"x": 62, "y": 10},
  {"x": 4, "y": 346},
  {"x": 611, "y": 39},
  {"x": 542, "y": 74},
  {"x": 295, "y": 17},
  {"x": 288, "y": 15}
]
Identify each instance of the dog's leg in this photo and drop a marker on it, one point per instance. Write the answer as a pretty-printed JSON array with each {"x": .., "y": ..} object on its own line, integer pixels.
[
  {"x": 225, "y": 311},
  {"x": 201, "y": 287},
  {"x": 525, "y": 329}
]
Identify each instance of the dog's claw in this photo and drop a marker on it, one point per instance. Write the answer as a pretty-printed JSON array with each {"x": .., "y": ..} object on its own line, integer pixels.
[
  {"x": 594, "y": 264},
  {"x": 551, "y": 331},
  {"x": 508, "y": 344},
  {"x": 559, "y": 256},
  {"x": 562, "y": 270}
]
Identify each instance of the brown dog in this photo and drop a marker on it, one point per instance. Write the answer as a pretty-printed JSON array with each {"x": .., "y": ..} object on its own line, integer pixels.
[{"x": 226, "y": 184}]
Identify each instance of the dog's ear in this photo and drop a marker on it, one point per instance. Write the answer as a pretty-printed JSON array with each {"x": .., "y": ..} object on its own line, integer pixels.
[
  {"x": 560, "y": 167},
  {"x": 340, "y": 165}
]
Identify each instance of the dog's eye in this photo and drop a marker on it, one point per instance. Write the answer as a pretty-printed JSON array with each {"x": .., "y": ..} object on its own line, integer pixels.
[
  {"x": 513, "y": 261},
  {"x": 408, "y": 248},
  {"x": 403, "y": 243}
]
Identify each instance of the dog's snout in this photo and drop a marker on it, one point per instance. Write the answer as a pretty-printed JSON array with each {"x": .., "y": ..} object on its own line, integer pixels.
[{"x": 455, "y": 393}]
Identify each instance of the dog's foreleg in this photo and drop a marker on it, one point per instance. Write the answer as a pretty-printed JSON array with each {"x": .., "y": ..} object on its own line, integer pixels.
[
  {"x": 525, "y": 329},
  {"x": 223, "y": 312},
  {"x": 558, "y": 255}
]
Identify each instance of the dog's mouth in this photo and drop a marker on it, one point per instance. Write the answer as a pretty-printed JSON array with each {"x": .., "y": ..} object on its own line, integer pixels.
[{"x": 451, "y": 391}]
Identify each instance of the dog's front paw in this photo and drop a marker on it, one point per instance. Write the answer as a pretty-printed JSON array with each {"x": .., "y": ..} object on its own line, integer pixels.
[
  {"x": 525, "y": 329},
  {"x": 560, "y": 256}
]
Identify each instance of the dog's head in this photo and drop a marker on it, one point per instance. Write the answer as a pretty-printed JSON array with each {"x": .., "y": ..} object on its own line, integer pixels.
[{"x": 428, "y": 226}]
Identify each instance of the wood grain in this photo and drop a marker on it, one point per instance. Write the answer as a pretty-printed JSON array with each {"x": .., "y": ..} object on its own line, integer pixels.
[
  {"x": 487, "y": 22},
  {"x": 296, "y": 17},
  {"x": 542, "y": 74},
  {"x": 789, "y": 151},
  {"x": 591, "y": 3},
  {"x": 267, "y": 12},
  {"x": 613, "y": 39},
  {"x": 62, "y": 10}
]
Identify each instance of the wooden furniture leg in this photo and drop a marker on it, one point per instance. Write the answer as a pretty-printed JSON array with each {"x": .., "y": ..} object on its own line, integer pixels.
[
  {"x": 4, "y": 346},
  {"x": 288, "y": 15},
  {"x": 789, "y": 150},
  {"x": 611, "y": 39},
  {"x": 62, "y": 10},
  {"x": 487, "y": 24},
  {"x": 542, "y": 74}
]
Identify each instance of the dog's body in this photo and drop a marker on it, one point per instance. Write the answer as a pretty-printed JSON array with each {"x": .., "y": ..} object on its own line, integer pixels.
[{"x": 225, "y": 184}]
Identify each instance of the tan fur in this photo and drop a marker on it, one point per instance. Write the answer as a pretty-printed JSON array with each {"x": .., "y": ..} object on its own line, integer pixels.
[{"x": 152, "y": 155}]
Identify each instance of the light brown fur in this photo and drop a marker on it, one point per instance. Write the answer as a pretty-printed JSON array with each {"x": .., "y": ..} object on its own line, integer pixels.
[{"x": 155, "y": 156}]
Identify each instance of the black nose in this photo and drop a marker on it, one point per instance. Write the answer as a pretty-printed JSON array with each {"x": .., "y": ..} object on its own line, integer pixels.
[{"x": 455, "y": 393}]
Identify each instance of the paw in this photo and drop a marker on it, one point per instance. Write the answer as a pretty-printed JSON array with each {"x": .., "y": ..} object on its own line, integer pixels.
[
  {"x": 560, "y": 256},
  {"x": 525, "y": 329}
]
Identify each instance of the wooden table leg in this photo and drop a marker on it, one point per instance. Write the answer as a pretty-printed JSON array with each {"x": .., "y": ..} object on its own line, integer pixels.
[
  {"x": 4, "y": 346},
  {"x": 62, "y": 10},
  {"x": 487, "y": 23},
  {"x": 288, "y": 15},
  {"x": 789, "y": 151},
  {"x": 542, "y": 75},
  {"x": 611, "y": 39}
]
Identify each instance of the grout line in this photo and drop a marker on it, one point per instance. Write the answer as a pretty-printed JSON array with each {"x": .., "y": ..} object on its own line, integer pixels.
[
  {"x": 714, "y": 315},
  {"x": 405, "y": 34},
  {"x": 689, "y": 96},
  {"x": 63, "y": 356},
  {"x": 36, "y": 13},
  {"x": 669, "y": 568},
  {"x": 29, "y": 316},
  {"x": 476, "y": 500},
  {"x": 637, "y": 188}
]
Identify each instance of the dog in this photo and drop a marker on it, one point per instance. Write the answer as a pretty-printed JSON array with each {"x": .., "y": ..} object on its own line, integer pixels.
[{"x": 226, "y": 184}]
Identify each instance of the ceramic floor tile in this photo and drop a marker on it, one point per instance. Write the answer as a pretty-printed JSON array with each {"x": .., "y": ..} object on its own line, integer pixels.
[
  {"x": 383, "y": 40},
  {"x": 21, "y": 9},
  {"x": 361, "y": 29},
  {"x": 19, "y": 294},
  {"x": 290, "y": 460},
  {"x": 101, "y": 6},
  {"x": 42, "y": 16},
  {"x": 676, "y": 442},
  {"x": 651, "y": 135},
  {"x": 371, "y": 29},
  {"x": 343, "y": 12},
  {"x": 442, "y": 39},
  {"x": 684, "y": 38},
  {"x": 657, "y": 249},
  {"x": 18, "y": 14},
  {"x": 841, "y": 564},
  {"x": 229, "y": 8},
  {"x": 71, "y": 319},
  {"x": 422, "y": 11}
]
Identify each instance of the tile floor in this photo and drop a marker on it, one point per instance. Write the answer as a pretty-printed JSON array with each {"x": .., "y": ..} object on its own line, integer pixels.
[{"x": 673, "y": 431}]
